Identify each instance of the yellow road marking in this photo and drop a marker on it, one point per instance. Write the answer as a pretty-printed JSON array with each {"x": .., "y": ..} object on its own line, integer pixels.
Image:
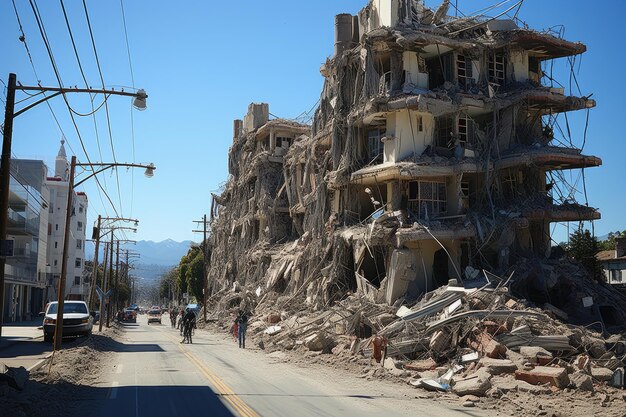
[{"x": 224, "y": 390}]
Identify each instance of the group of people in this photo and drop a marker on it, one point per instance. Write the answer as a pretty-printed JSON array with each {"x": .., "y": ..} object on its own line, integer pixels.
[{"x": 185, "y": 320}]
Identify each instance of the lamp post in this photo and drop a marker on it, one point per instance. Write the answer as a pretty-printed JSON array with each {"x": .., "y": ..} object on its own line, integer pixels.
[
  {"x": 139, "y": 103},
  {"x": 58, "y": 331}
]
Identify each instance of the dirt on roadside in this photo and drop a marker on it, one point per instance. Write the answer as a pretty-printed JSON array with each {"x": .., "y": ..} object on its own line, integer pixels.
[{"x": 56, "y": 390}]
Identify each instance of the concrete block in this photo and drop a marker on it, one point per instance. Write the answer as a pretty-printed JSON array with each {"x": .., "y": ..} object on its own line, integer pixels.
[
  {"x": 484, "y": 344},
  {"x": 315, "y": 342},
  {"x": 535, "y": 354},
  {"x": 581, "y": 381},
  {"x": 477, "y": 384},
  {"x": 498, "y": 366},
  {"x": 601, "y": 374},
  {"x": 556, "y": 377}
]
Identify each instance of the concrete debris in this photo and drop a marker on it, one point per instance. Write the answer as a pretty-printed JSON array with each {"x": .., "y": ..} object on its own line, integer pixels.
[
  {"x": 477, "y": 384},
  {"x": 601, "y": 374},
  {"x": 581, "y": 381},
  {"x": 497, "y": 366},
  {"x": 556, "y": 377}
]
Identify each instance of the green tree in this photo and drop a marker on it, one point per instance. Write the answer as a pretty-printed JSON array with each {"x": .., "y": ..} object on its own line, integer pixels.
[
  {"x": 609, "y": 243},
  {"x": 195, "y": 276},
  {"x": 583, "y": 247}
]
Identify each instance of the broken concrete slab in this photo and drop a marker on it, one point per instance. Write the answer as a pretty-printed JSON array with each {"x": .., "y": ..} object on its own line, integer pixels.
[
  {"x": 498, "y": 366},
  {"x": 581, "y": 381},
  {"x": 601, "y": 374},
  {"x": 535, "y": 354},
  {"x": 476, "y": 384},
  {"x": 315, "y": 342},
  {"x": 556, "y": 377}
]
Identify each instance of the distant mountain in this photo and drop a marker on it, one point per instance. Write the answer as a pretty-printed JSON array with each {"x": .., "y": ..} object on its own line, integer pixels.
[{"x": 166, "y": 253}]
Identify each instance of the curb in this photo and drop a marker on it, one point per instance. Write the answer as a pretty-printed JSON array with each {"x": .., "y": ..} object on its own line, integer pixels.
[{"x": 39, "y": 364}]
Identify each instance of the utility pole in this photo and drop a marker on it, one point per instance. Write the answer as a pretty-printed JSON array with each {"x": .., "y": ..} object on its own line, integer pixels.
[
  {"x": 110, "y": 280},
  {"x": 205, "y": 250},
  {"x": 117, "y": 278},
  {"x": 95, "y": 262},
  {"x": 58, "y": 330},
  {"x": 5, "y": 177},
  {"x": 104, "y": 289}
]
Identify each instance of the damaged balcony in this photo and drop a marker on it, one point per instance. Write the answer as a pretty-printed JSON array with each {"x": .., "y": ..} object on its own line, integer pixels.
[{"x": 548, "y": 157}]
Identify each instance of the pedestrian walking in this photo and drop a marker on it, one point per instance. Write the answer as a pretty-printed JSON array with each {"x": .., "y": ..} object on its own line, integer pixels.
[
  {"x": 242, "y": 324},
  {"x": 173, "y": 315}
]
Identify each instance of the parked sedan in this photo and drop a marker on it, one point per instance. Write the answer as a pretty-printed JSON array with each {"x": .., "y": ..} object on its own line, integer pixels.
[
  {"x": 76, "y": 319},
  {"x": 154, "y": 316}
]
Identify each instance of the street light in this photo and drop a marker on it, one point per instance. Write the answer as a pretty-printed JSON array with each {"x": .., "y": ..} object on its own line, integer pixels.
[
  {"x": 58, "y": 332},
  {"x": 5, "y": 173},
  {"x": 149, "y": 171}
]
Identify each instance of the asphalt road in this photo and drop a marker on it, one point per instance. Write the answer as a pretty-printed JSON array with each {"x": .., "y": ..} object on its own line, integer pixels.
[{"x": 153, "y": 375}]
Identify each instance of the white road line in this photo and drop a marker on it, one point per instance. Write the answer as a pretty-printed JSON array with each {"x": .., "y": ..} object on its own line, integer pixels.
[
  {"x": 120, "y": 368},
  {"x": 113, "y": 394}
]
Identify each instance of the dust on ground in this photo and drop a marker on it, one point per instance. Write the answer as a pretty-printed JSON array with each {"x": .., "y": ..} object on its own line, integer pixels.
[{"x": 54, "y": 391}]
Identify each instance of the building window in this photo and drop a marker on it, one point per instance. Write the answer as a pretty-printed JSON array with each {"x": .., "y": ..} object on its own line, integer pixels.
[
  {"x": 49, "y": 229},
  {"x": 444, "y": 132},
  {"x": 77, "y": 280},
  {"x": 79, "y": 226},
  {"x": 427, "y": 199},
  {"x": 56, "y": 245},
  {"x": 78, "y": 262},
  {"x": 56, "y": 226},
  {"x": 419, "y": 124},
  {"x": 465, "y": 194},
  {"x": 55, "y": 262},
  {"x": 465, "y": 131},
  {"x": 496, "y": 69},
  {"x": 81, "y": 208},
  {"x": 282, "y": 142},
  {"x": 79, "y": 244},
  {"x": 617, "y": 275},
  {"x": 375, "y": 145},
  {"x": 464, "y": 71}
]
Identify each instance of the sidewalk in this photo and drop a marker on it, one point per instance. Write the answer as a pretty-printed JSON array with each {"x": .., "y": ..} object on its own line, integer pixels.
[{"x": 22, "y": 344}]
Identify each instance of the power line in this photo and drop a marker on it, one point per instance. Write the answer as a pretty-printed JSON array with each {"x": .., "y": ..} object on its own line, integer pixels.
[
  {"x": 132, "y": 117},
  {"x": 80, "y": 66},
  {"x": 44, "y": 37},
  {"x": 106, "y": 105}
]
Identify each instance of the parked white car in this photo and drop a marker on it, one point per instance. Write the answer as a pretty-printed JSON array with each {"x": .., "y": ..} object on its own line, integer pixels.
[{"x": 76, "y": 319}]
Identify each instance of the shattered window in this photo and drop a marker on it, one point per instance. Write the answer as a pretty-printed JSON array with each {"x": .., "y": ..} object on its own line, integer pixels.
[
  {"x": 374, "y": 144},
  {"x": 464, "y": 71},
  {"x": 427, "y": 198},
  {"x": 283, "y": 142},
  {"x": 444, "y": 131},
  {"x": 465, "y": 130},
  {"x": 76, "y": 280},
  {"x": 496, "y": 69}
]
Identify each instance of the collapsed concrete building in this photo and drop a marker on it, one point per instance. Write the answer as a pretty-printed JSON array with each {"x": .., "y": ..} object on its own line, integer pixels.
[{"x": 432, "y": 156}]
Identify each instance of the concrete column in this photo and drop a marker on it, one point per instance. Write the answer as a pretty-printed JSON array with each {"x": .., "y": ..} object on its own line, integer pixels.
[
  {"x": 394, "y": 195},
  {"x": 272, "y": 141}
]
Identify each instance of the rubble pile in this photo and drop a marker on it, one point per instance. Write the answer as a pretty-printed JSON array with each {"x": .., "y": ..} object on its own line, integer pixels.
[{"x": 409, "y": 223}]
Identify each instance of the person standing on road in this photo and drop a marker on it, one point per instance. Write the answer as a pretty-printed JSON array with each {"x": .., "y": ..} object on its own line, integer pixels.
[{"x": 242, "y": 325}]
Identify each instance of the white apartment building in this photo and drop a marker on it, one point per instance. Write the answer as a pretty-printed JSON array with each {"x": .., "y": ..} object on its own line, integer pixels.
[{"x": 76, "y": 283}]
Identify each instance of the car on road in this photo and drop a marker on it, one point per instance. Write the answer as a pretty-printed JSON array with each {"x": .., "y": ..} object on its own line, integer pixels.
[
  {"x": 129, "y": 315},
  {"x": 154, "y": 316},
  {"x": 76, "y": 319}
]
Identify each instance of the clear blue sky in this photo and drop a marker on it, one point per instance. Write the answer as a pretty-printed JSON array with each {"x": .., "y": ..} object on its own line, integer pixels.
[{"x": 202, "y": 62}]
